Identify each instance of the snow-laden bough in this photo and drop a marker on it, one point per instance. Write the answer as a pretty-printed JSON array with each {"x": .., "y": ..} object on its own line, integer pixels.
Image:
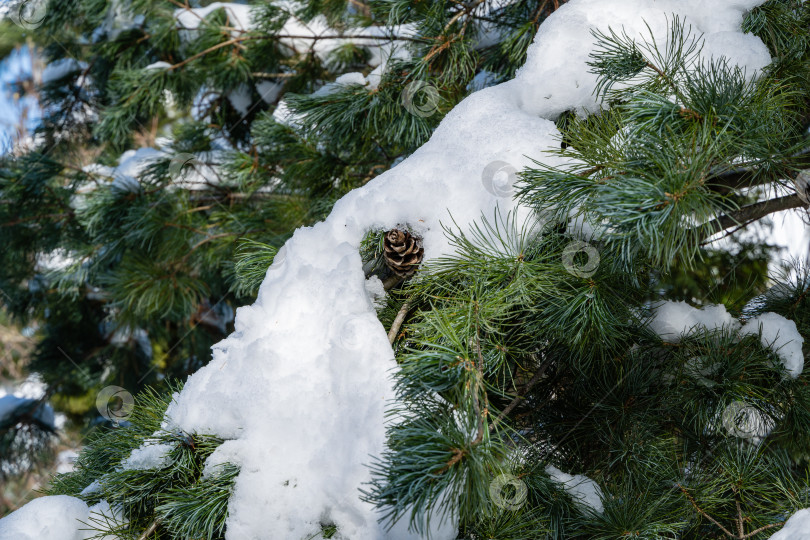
[{"x": 300, "y": 389}]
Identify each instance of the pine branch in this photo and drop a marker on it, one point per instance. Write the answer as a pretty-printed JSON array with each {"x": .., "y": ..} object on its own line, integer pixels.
[
  {"x": 398, "y": 320},
  {"x": 149, "y": 530},
  {"x": 751, "y": 213},
  {"x": 701, "y": 512},
  {"x": 736, "y": 179},
  {"x": 521, "y": 395}
]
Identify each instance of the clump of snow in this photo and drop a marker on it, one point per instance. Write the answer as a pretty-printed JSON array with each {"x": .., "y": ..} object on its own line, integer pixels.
[
  {"x": 24, "y": 396},
  {"x": 796, "y": 528},
  {"x": 376, "y": 292},
  {"x": 65, "y": 461},
  {"x": 150, "y": 456},
  {"x": 32, "y": 388},
  {"x": 58, "y": 259},
  {"x": 675, "y": 320},
  {"x": 300, "y": 388},
  {"x": 238, "y": 15},
  {"x": 269, "y": 90},
  {"x": 781, "y": 335},
  {"x": 12, "y": 405},
  {"x": 579, "y": 487},
  {"x": 158, "y": 65},
  {"x": 559, "y": 54},
  {"x": 61, "y": 68},
  {"x": 93, "y": 487},
  {"x": 241, "y": 99},
  {"x": 47, "y": 518}
]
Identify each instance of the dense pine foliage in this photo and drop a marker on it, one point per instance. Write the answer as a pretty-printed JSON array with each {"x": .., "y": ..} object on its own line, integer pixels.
[{"x": 517, "y": 356}]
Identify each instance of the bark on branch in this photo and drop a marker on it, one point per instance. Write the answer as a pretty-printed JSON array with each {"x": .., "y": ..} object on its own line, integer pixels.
[{"x": 750, "y": 213}]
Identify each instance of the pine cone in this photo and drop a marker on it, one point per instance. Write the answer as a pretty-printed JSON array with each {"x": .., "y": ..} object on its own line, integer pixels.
[{"x": 403, "y": 252}]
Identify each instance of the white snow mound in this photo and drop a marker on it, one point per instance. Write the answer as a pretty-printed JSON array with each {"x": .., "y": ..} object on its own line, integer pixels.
[
  {"x": 796, "y": 528},
  {"x": 675, "y": 320}
]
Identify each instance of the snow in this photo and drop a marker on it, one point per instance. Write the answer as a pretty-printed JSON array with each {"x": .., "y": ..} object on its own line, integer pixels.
[
  {"x": 10, "y": 404},
  {"x": 65, "y": 461},
  {"x": 60, "y": 69},
  {"x": 58, "y": 259},
  {"x": 238, "y": 15},
  {"x": 150, "y": 456},
  {"x": 559, "y": 55},
  {"x": 300, "y": 389},
  {"x": 25, "y": 394},
  {"x": 123, "y": 178},
  {"x": 269, "y": 91},
  {"x": 781, "y": 335},
  {"x": 46, "y": 518},
  {"x": 56, "y": 517},
  {"x": 376, "y": 292},
  {"x": 579, "y": 487},
  {"x": 32, "y": 388},
  {"x": 241, "y": 99},
  {"x": 796, "y": 528},
  {"x": 675, "y": 320},
  {"x": 158, "y": 65}
]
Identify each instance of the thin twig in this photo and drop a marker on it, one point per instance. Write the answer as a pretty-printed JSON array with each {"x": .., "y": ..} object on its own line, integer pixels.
[
  {"x": 763, "y": 528},
  {"x": 149, "y": 530},
  {"x": 459, "y": 13},
  {"x": 750, "y": 213},
  {"x": 398, "y": 320},
  {"x": 702, "y": 513},
  {"x": 521, "y": 395},
  {"x": 479, "y": 385},
  {"x": 740, "y": 518}
]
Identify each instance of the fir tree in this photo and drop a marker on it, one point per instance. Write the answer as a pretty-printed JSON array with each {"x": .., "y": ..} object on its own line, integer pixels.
[{"x": 518, "y": 357}]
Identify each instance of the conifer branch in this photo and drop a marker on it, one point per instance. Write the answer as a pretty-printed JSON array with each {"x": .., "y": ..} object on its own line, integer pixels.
[
  {"x": 740, "y": 517},
  {"x": 461, "y": 12},
  {"x": 763, "y": 528},
  {"x": 521, "y": 395},
  {"x": 702, "y": 513},
  {"x": 398, "y": 320},
  {"x": 751, "y": 213},
  {"x": 149, "y": 530}
]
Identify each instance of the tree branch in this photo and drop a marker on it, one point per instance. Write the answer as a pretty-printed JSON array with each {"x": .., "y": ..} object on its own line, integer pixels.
[
  {"x": 702, "y": 513},
  {"x": 750, "y": 213},
  {"x": 521, "y": 395},
  {"x": 400, "y": 318},
  {"x": 152, "y": 527},
  {"x": 736, "y": 179}
]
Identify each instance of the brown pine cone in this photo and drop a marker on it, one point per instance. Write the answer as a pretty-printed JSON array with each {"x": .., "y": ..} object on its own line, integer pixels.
[{"x": 403, "y": 252}]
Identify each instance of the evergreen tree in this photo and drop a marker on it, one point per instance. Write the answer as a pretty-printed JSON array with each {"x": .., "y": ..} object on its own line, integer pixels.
[
  {"x": 536, "y": 348},
  {"x": 131, "y": 262},
  {"x": 132, "y": 265}
]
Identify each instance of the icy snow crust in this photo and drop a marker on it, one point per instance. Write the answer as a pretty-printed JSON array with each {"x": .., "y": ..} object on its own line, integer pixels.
[{"x": 300, "y": 388}]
